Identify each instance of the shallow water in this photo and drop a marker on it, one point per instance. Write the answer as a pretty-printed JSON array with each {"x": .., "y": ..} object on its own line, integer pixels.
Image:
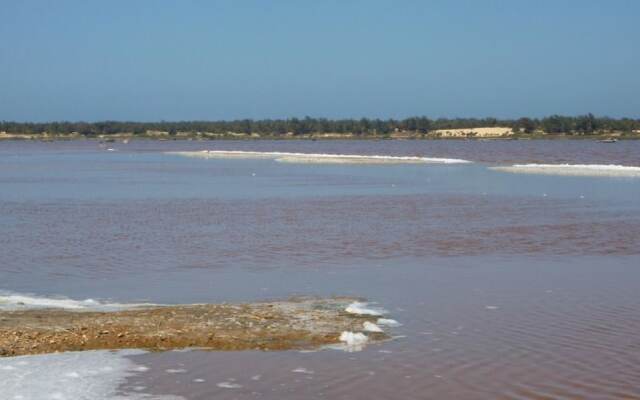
[{"x": 507, "y": 285}]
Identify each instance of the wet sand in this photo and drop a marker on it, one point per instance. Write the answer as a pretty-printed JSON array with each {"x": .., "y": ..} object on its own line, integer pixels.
[{"x": 281, "y": 325}]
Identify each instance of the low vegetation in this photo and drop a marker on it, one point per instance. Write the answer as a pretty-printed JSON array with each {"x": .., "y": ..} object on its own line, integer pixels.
[{"x": 415, "y": 127}]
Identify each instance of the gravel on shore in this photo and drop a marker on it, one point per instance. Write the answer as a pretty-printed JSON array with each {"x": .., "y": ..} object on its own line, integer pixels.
[{"x": 279, "y": 325}]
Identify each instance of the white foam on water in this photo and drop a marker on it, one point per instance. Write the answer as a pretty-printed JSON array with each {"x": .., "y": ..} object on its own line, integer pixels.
[
  {"x": 611, "y": 170},
  {"x": 302, "y": 370},
  {"x": 229, "y": 385},
  {"x": 319, "y": 158},
  {"x": 361, "y": 308},
  {"x": 95, "y": 375},
  {"x": 388, "y": 322},
  {"x": 175, "y": 371},
  {"x": 371, "y": 327},
  {"x": 18, "y": 301}
]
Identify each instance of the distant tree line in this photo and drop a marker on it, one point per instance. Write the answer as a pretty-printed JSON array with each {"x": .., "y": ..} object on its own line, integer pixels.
[{"x": 555, "y": 124}]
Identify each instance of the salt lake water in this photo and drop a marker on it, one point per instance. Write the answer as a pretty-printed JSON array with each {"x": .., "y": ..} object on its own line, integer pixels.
[{"x": 508, "y": 285}]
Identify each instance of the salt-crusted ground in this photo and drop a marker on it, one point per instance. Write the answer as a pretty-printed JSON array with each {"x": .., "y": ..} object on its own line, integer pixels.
[{"x": 293, "y": 324}]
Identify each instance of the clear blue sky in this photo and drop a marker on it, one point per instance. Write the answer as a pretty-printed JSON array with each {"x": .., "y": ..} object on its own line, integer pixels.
[{"x": 181, "y": 60}]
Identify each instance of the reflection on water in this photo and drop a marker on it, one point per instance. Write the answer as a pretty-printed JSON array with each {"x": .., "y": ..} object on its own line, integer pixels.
[{"x": 507, "y": 286}]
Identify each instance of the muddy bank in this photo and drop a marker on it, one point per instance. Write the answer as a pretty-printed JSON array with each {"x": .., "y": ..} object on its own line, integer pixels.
[{"x": 294, "y": 324}]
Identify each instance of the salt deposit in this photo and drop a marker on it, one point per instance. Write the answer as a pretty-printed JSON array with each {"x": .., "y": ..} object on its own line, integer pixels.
[
  {"x": 353, "y": 341},
  {"x": 388, "y": 322},
  {"x": 95, "y": 375},
  {"x": 371, "y": 327},
  {"x": 361, "y": 308},
  {"x": 610, "y": 170},
  {"x": 320, "y": 158},
  {"x": 18, "y": 301}
]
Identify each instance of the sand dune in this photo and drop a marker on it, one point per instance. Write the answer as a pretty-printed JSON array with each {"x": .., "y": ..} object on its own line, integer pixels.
[{"x": 493, "y": 132}]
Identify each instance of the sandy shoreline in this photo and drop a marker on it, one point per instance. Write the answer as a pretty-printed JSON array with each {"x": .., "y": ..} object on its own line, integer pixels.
[
  {"x": 500, "y": 133},
  {"x": 281, "y": 325}
]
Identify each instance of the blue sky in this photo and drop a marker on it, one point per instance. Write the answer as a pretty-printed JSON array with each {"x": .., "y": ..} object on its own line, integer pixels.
[{"x": 183, "y": 60}]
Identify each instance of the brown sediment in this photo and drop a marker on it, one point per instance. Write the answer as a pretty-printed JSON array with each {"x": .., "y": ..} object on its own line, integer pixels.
[{"x": 282, "y": 325}]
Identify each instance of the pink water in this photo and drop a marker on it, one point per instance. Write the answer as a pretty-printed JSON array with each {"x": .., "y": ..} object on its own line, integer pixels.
[{"x": 508, "y": 286}]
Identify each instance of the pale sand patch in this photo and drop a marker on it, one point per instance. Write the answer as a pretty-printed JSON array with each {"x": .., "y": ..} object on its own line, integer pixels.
[{"x": 497, "y": 131}]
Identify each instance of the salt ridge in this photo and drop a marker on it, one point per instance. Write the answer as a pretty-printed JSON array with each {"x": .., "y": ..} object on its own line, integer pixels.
[
  {"x": 388, "y": 322},
  {"x": 318, "y": 157},
  {"x": 360, "y": 308},
  {"x": 573, "y": 169},
  {"x": 17, "y": 301}
]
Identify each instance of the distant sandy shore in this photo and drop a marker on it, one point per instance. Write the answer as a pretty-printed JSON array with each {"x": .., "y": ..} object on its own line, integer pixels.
[
  {"x": 294, "y": 324},
  {"x": 491, "y": 132},
  {"x": 464, "y": 134}
]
